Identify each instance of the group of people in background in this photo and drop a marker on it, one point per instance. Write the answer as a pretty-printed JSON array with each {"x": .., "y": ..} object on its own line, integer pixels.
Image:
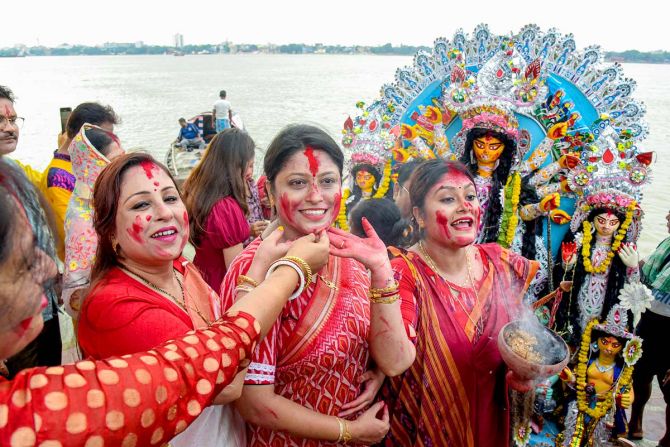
[{"x": 284, "y": 330}]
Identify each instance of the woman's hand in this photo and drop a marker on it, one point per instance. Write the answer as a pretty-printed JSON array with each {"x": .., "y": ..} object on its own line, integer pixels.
[
  {"x": 629, "y": 256},
  {"x": 368, "y": 428},
  {"x": 257, "y": 228},
  {"x": 372, "y": 381},
  {"x": 271, "y": 249},
  {"x": 371, "y": 251},
  {"x": 313, "y": 249}
]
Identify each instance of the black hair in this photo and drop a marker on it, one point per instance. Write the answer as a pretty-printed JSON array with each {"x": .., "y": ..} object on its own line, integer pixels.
[
  {"x": 495, "y": 208},
  {"x": 568, "y": 311},
  {"x": 100, "y": 140},
  {"x": 528, "y": 195},
  {"x": 406, "y": 169},
  {"x": 92, "y": 113},
  {"x": 222, "y": 93},
  {"x": 6, "y": 93},
  {"x": 384, "y": 216},
  {"x": 294, "y": 138},
  {"x": 7, "y": 224}
]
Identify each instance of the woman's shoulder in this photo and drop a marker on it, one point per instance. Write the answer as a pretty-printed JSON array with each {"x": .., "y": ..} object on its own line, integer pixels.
[{"x": 226, "y": 204}]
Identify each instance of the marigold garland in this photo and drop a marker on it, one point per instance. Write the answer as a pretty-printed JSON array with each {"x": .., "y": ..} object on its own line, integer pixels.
[
  {"x": 510, "y": 215},
  {"x": 386, "y": 181},
  {"x": 621, "y": 234},
  {"x": 342, "y": 215}
]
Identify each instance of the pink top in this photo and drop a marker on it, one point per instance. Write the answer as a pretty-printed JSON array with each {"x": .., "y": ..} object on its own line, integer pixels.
[{"x": 226, "y": 227}]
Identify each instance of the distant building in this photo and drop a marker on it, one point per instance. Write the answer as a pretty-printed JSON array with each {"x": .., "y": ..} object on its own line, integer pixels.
[{"x": 178, "y": 40}]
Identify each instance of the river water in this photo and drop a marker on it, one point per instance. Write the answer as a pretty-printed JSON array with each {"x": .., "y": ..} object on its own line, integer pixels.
[{"x": 150, "y": 93}]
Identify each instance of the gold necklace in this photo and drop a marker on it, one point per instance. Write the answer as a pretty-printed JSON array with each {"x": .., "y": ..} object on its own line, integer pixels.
[
  {"x": 181, "y": 304},
  {"x": 477, "y": 324}
]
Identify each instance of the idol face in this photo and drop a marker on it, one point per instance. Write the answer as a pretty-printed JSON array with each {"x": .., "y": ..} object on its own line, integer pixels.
[
  {"x": 451, "y": 211},
  {"x": 606, "y": 224},
  {"x": 487, "y": 149},
  {"x": 307, "y": 193},
  {"x": 609, "y": 346},
  {"x": 151, "y": 220},
  {"x": 365, "y": 180},
  {"x": 9, "y": 133}
]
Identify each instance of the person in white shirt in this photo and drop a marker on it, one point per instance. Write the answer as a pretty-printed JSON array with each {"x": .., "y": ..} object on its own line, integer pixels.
[{"x": 222, "y": 112}]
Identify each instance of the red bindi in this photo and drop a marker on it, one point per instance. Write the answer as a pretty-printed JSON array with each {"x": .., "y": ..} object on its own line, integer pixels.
[
  {"x": 157, "y": 184},
  {"x": 313, "y": 161}
]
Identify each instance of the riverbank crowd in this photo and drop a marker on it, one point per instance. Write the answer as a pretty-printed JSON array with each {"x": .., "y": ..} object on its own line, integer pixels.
[{"x": 311, "y": 313}]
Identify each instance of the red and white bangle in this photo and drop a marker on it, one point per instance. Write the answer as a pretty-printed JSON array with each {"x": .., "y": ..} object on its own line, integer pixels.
[{"x": 295, "y": 266}]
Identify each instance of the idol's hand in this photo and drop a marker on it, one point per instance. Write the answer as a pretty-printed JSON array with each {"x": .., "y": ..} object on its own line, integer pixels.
[
  {"x": 629, "y": 256},
  {"x": 369, "y": 251},
  {"x": 625, "y": 399},
  {"x": 369, "y": 428},
  {"x": 559, "y": 217},
  {"x": 566, "y": 375},
  {"x": 568, "y": 161},
  {"x": 313, "y": 249},
  {"x": 566, "y": 286},
  {"x": 372, "y": 381},
  {"x": 550, "y": 202}
]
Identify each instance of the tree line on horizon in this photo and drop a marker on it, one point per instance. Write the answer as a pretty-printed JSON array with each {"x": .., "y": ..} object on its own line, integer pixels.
[{"x": 633, "y": 56}]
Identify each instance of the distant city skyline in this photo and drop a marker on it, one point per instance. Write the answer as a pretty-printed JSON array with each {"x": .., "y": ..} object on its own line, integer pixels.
[{"x": 617, "y": 25}]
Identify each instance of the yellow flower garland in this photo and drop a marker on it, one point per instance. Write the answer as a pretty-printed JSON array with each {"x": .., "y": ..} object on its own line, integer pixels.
[
  {"x": 386, "y": 181},
  {"x": 342, "y": 215},
  {"x": 621, "y": 234},
  {"x": 514, "y": 218}
]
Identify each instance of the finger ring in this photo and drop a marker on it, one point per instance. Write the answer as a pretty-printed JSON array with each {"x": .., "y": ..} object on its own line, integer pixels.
[{"x": 342, "y": 245}]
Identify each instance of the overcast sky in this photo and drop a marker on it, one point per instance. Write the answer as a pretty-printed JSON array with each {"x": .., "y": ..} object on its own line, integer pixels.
[{"x": 614, "y": 24}]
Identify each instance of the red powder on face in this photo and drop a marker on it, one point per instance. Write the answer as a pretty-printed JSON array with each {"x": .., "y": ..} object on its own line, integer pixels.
[
  {"x": 136, "y": 230},
  {"x": 148, "y": 168},
  {"x": 148, "y": 218},
  {"x": 313, "y": 161},
  {"x": 443, "y": 222},
  {"x": 185, "y": 217},
  {"x": 156, "y": 184},
  {"x": 286, "y": 208}
]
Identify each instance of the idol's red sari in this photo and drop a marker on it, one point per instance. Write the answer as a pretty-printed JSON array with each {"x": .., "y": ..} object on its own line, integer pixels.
[
  {"x": 317, "y": 350},
  {"x": 454, "y": 393}
]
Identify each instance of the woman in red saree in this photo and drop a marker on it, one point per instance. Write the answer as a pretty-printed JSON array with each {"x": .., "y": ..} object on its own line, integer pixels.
[
  {"x": 456, "y": 297},
  {"x": 308, "y": 370}
]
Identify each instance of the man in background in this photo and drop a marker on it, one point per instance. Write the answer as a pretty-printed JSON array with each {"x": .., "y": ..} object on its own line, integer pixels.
[
  {"x": 189, "y": 136},
  {"x": 222, "y": 113}
]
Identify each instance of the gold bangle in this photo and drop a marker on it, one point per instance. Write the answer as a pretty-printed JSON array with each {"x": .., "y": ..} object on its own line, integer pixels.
[
  {"x": 385, "y": 300},
  {"x": 341, "y": 424},
  {"x": 304, "y": 266},
  {"x": 347, "y": 436},
  {"x": 244, "y": 279},
  {"x": 378, "y": 293}
]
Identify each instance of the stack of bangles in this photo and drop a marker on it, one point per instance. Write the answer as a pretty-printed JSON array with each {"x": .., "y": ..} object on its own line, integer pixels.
[
  {"x": 245, "y": 284},
  {"x": 387, "y": 295},
  {"x": 345, "y": 436},
  {"x": 301, "y": 267}
]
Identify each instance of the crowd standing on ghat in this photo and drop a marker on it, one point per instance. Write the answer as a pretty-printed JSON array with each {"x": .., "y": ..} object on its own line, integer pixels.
[{"x": 330, "y": 301}]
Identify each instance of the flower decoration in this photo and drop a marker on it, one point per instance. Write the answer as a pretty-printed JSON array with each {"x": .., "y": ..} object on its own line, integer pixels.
[
  {"x": 632, "y": 351},
  {"x": 637, "y": 298}
]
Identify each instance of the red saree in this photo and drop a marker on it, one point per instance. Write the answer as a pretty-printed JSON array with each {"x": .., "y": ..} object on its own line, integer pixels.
[
  {"x": 317, "y": 350},
  {"x": 454, "y": 393}
]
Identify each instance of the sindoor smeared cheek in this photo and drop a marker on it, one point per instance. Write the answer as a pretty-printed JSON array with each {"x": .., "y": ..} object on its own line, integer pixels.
[
  {"x": 443, "y": 222},
  {"x": 135, "y": 231},
  {"x": 148, "y": 218},
  {"x": 287, "y": 209},
  {"x": 312, "y": 160}
]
